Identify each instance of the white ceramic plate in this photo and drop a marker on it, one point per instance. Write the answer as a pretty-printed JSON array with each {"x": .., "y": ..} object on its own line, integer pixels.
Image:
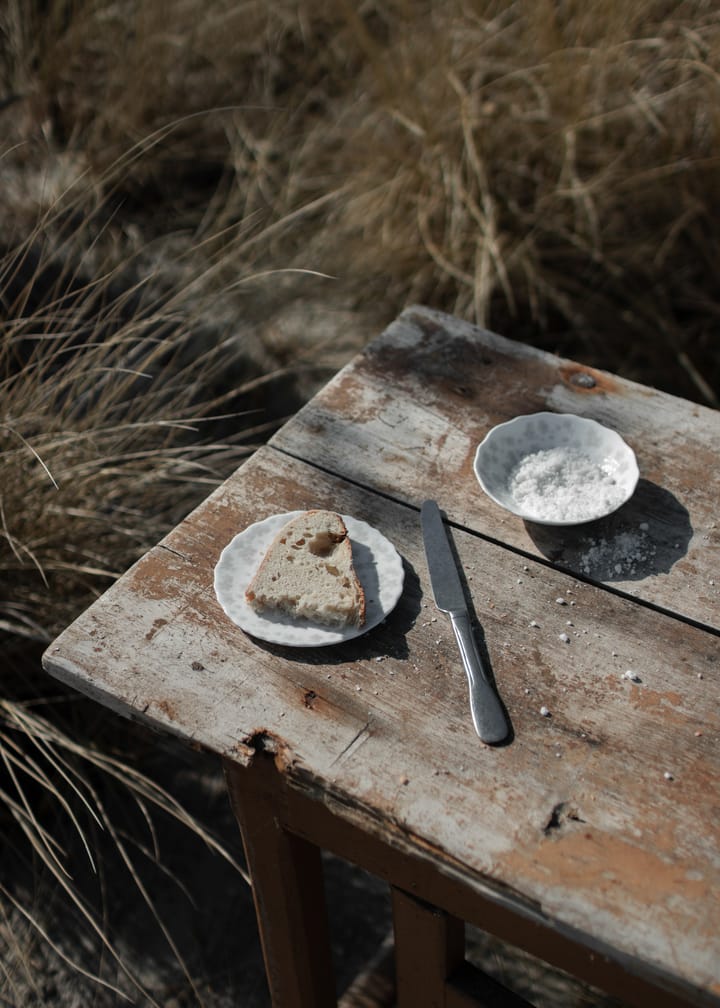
[
  {"x": 377, "y": 563},
  {"x": 511, "y": 444}
]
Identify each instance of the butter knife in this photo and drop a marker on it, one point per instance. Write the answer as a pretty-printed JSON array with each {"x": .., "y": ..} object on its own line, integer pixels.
[{"x": 487, "y": 712}]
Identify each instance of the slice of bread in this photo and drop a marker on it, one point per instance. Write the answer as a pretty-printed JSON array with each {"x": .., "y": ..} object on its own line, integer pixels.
[{"x": 308, "y": 572}]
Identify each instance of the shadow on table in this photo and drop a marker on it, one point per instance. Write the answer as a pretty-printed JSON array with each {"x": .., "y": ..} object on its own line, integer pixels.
[{"x": 644, "y": 538}]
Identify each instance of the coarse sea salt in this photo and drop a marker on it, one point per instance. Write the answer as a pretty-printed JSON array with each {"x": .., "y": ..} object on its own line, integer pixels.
[
  {"x": 564, "y": 484},
  {"x": 626, "y": 554}
]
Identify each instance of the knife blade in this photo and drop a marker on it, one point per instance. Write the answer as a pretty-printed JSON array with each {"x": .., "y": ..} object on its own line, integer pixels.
[{"x": 487, "y": 712}]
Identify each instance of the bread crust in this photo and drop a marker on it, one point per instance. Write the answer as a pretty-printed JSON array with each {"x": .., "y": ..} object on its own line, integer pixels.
[{"x": 308, "y": 572}]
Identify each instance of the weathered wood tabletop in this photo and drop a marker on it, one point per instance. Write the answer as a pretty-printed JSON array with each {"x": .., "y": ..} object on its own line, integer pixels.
[{"x": 601, "y": 816}]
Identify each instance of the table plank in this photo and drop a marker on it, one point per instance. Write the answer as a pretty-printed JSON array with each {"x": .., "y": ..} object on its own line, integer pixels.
[
  {"x": 406, "y": 416},
  {"x": 573, "y": 823}
]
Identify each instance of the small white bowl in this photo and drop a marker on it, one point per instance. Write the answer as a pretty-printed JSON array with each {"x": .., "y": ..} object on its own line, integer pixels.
[{"x": 556, "y": 468}]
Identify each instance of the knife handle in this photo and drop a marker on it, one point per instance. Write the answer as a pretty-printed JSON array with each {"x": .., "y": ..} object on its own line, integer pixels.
[{"x": 487, "y": 712}]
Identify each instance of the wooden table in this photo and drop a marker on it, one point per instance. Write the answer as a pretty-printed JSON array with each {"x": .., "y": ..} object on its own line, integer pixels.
[{"x": 592, "y": 838}]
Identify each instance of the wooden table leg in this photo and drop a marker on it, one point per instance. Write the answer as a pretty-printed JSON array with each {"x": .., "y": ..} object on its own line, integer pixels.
[
  {"x": 430, "y": 965},
  {"x": 429, "y": 945},
  {"x": 288, "y": 890}
]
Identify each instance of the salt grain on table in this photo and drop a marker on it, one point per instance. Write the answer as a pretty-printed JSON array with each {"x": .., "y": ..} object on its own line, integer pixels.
[
  {"x": 632, "y": 676},
  {"x": 619, "y": 555},
  {"x": 564, "y": 484}
]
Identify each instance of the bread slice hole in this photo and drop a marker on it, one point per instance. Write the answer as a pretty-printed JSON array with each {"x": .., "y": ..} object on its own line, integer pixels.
[{"x": 322, "y": 544}]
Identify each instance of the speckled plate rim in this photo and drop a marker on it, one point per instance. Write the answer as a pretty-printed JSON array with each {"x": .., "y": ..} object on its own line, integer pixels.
[
  {"x": 378, "y": 565},
  {"x": 507, "y": 502}
]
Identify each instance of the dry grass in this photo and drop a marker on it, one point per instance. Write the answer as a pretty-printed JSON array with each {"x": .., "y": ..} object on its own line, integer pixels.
[
  {"x": 112, "y": 387},
  {"x": 117, "y": 374},
  {"x": 548, "y": 170},
  {"x": 105, "y": 394},
  {"x": 50, "y": 776}
]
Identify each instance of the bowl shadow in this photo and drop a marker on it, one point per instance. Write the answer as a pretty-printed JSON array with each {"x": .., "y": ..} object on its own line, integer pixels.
[{"x": 644, "y": 538}]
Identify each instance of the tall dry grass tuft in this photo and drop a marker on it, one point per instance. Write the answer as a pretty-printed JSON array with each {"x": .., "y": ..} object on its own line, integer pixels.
[
  {"x": 53, "y": 785},
  {"x": 106, "y": 391},
  {"x": 120, "y": 407},
  {"x": 125, "y": 394},
  {"x": 549, "y": 170}
]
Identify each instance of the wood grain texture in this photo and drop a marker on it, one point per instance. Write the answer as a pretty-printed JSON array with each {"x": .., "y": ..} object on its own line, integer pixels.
[
  {"x": 407, "y": 416},
  {"x": 601, "y": 817}
]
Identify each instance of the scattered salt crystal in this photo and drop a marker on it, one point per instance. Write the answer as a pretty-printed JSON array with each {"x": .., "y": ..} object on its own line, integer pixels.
[
  {"x": 564, "y": 638},
  {"x": 564, "y": 484},
  {"x": 544, "y": 711},
  {"x": 622, "y": 555},
  {"x": 632, "y": 676}
]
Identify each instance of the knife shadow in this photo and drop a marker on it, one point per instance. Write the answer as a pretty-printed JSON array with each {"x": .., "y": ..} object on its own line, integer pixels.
[{"x": 479, "y": 634}]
